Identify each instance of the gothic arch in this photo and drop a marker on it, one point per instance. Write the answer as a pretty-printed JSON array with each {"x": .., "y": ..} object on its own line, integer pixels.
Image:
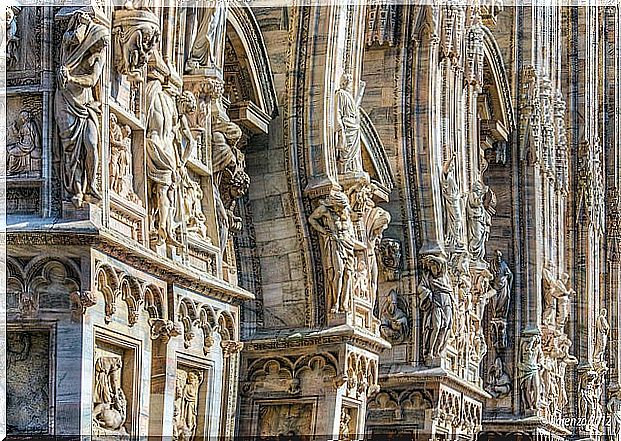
[
  {"x": 245, "y": 36},
  {"x": 380, "y": 171},
  {"x": 496, "y": 79}
]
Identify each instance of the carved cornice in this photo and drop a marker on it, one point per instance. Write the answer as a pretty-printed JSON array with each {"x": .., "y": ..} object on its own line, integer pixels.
[
  {"x": 328, "y": 337},
  {"x": 133, "y": 253}
]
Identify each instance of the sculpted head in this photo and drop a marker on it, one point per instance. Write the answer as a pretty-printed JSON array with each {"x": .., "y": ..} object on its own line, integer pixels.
[{"x": 347, "y": 81}]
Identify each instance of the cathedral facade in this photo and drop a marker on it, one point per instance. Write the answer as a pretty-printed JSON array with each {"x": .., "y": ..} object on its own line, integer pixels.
[{"x": 340, "y": 220}]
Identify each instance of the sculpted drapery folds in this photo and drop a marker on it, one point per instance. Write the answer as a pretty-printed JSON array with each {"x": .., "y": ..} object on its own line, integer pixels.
[
  {"x": 109, "y": 403},
  {"x": 529, "y": 368},
  {"x": 209, "y": 36},
  {"x": 162, "y": 156},
  {"x": 453, "y": 207},
  {"x": 479, "y": 221},
  {"x": 332, "y": 220},
  {"x": 174, "y": 195},
  {"x": 556, "y": 300},
  {"x": 347, "y": 126},
  {"x": 602, "y": 328},
  {"x": 121, "y": 178},
  {"x": 502, "y": 283},
  {"x": 23, "y": 150},
  {"x": 12, "y": 35},
  {"x": 75, "y": 107},
  {"x": 498, "y": 381},
  {"x": 185, "y": 409},
  {"x": 228, "y": 163},
  {"x": 436, "y": 302},
  {"x": 394, "y": 325}
]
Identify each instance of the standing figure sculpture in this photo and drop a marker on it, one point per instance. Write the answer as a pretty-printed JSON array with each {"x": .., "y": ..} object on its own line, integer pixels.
[
  {"x": 502, "y": 283},
  {"x": 332, "y": 220},
  {"x": 614, "y": 411},
  {"x": 531, "y": 360},
  {"x": 347, "y": 126},
  {"x": 602, "y": 328},
  {"x": 453, "y": 208},
  {"x": 82, "y": 56},
  {"x": 376, "y": 223},
  {"x": 162, "y": 156},
  {"x": 436, "y": 301},
  {"x": 12, "y": 37},
  {"x": 479, "y": 221},
  {"x": 209, "y": 35}
]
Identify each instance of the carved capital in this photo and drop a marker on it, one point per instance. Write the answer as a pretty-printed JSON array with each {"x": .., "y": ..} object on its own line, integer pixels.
[{"x": 231, "y": 347}]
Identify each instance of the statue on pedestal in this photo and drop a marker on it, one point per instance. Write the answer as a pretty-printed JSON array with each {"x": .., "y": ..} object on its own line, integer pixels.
[
  {"x": 209, "y": 37},
  {"x": 436, "y": 301},
  {"x": 347, "y": 126},
  {"x": 332, "y": 220}
]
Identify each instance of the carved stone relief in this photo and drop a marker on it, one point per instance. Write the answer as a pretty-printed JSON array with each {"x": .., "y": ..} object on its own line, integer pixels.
[
  {"x": 332, "y": 220},
  {"x": 207, "y": 47},
  {"x": 529, "y": 365},
  {"x": 285, "y": 419},
  {"x": 121, "y": 175},
  {"x": 28, "y": 386},
  {"x": 502, "y": 284},
  {"x": 395, "y": 325},
  {"x": 135, "y": 34},
  {"x": 23, "y": 146},
  {"x": 109, "y": 400},
  {"x": 187, "y": 395}
]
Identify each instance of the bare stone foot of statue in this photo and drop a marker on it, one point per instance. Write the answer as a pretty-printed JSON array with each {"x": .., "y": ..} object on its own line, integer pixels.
[{"x": 78, "y": 200}]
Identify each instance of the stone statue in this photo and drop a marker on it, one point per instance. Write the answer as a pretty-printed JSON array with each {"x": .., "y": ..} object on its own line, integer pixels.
[
  {"x": 556, "y": 300},
  {"x": 186, "y": 404},
  {"x": 82, "y": 56},
  {"x": 394, "y": 325},
  {"x": 453, "y": 207},
  {"x": 563, "y": 359},
  {"x": 109, "y": 403},
  {"x": 614, "y": 411},
  {"x": 12, "y": 37},
  {"x": 121, "y": 177},
  {"x": 23, "y": 147},
  {"x": 136, "y": 34},
  {"x": 502, "y": 283},
  {"x": 436, "y": 302},
  {"x": 344, "y": 424},
  {"x": 377, "y": 222},
  {"x": 602, "y": 328},
  {"x": 498, "y": 381},
  {"x": 531, "y": 358},
  {"x": 332, "y": 220},
  {"x": 162, "y": 155},
  {"x": 209, "y": 37},
  {"x": 347, "y": 126},
  {"x": 479, "y": 221}
]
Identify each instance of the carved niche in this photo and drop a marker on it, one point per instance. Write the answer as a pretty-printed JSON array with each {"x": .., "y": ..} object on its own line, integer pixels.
[
  {"x": 27, "y": 382},
  {"x": 292, "y": 419},
  {"x": 187, "y": 394},
  {"x": 109, "y": 400},
  {"x": 120, "y": 168},
  {"x": 23, "y": 146}
]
